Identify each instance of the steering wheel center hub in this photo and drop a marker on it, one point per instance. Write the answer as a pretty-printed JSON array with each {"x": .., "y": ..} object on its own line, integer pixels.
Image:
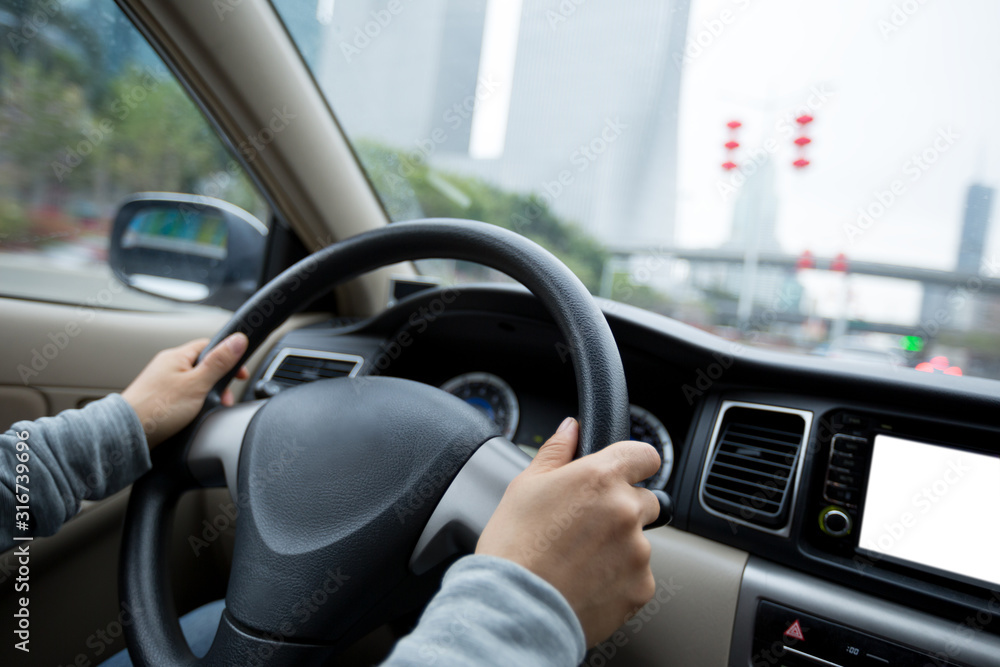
[{"x": 341, "y": 475}]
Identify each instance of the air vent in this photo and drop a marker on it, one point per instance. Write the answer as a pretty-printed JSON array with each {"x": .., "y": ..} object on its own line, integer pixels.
[
  {"x": 293, "y": 366},
  {"x": 754, "y": 464}
]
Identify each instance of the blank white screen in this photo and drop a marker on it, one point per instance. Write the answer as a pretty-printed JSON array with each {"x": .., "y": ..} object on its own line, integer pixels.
[{"x": 934, "y": 506}]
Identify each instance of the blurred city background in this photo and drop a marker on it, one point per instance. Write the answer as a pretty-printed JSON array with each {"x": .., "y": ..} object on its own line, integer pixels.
[{"x": 814, "y": 179}]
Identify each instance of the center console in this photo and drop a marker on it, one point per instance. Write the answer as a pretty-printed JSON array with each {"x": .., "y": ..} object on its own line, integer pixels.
[
  {"x": 908, "y": 497},
  {"x": 771, "y": 627},
  {"x": 797, "y": 639},
  {"x": 887, "y": 551}
]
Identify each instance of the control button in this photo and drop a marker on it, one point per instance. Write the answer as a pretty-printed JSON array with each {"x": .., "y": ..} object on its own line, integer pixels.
[
  {"x": 851, "y": 420},
  {"x": 845, "y": 478},
  {"x": 266, "y": 389},
  {"x": 795, "y": 631},
  {"x": 823, "y": 642},
  {"x": 844, "y": 460},
  {"x": 842, "y": 443},
  {"x": 835, "y": 522},
  {"x": 845, "y": 495}
]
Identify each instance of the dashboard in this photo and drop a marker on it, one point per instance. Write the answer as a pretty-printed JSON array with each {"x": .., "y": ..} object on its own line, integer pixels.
[
  {"x": 495, "y": 398},
  {"x": 841, "y": 484}
]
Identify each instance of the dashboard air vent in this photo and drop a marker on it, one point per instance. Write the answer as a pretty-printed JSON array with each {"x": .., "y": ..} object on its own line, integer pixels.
[
  {"x": 754, "y": 464},
  {"x": 294, "y": 366}
]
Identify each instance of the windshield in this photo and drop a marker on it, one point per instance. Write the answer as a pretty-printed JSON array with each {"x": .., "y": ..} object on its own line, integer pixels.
[{"x": 811, "y": 177}]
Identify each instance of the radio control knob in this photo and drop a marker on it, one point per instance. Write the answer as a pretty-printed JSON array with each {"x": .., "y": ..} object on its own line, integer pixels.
[{"x": 835, "y": 522}]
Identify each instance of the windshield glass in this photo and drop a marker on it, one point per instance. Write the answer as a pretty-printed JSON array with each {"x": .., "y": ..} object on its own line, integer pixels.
[{"x": 812, "y": 177}]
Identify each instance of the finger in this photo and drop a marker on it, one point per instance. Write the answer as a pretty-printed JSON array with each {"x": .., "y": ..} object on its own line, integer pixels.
[
  {"x": 632, "y": 461},
  {"x": 227, "y": 398},
  {"x": 221, "y": 359},
  {"x": 243, "y": 373},
  {"x": 649, "y": 506},
  {"x": 559, "y": 449},
  {"x": 189, "y": 351}
]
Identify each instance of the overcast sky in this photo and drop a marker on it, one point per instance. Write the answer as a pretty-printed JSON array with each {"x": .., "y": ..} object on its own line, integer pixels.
[{"x": 889, "y": 94}]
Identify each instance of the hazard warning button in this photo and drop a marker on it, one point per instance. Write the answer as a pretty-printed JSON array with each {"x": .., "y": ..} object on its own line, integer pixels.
[
  {"x": 795, "y": 631},
  {"x": 828, "y": 643}
]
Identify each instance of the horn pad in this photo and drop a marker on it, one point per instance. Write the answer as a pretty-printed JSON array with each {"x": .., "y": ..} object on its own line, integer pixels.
[{"x": 337, "y": 479}]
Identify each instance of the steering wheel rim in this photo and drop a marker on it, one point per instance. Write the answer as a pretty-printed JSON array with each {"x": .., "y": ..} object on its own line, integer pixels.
[{"x": 154, "y": 637}]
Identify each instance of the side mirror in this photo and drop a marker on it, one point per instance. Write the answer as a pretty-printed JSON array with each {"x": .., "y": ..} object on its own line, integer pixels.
[{"x": 187, "y": 248}]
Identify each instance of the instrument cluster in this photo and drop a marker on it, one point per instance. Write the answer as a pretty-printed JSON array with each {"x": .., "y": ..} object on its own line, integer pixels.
[{"x": 495, "y": 398}]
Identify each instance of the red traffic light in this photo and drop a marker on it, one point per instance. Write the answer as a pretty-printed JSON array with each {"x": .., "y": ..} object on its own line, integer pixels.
[
  {"x": 801, "y": 163},
  {"x": 732, "y": 144},
  {"x": 839, "y": 263},
  {"x": 733, "y": 124},
  {"x": 804, "y": 119},
  {"x": 729, "y": 165},
  {"x": 802, "y": 141}
]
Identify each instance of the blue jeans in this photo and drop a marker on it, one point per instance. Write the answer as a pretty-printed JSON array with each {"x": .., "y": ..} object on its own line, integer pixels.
[{"x": 198, "y": 626}]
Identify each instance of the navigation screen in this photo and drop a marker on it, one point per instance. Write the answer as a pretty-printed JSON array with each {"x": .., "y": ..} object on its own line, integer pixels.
[{"x": 934, "y": 507}]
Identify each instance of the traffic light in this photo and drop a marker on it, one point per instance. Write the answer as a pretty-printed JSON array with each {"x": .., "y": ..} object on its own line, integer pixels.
[{"x": 911, "y": 343}]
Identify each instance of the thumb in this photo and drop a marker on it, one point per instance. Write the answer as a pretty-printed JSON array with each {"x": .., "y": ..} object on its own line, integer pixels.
[
  {"x": 222, "y": 359},
  {"x": 559, "y": 449}
]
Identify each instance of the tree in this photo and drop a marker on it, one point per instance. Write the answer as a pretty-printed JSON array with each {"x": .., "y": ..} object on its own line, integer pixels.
[
  {"x": 159, "y": 139},
  {"x": 88, "y": 116},
  {"x": 411, "y": 190}
]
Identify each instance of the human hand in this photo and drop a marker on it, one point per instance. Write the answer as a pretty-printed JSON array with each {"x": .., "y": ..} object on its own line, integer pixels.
[
  {"x": 578, "y": 525},
  {"x": 170, "y": 390}
]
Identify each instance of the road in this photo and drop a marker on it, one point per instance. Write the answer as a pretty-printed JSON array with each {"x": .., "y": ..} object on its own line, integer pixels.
[{"x": 79, "y": 282}]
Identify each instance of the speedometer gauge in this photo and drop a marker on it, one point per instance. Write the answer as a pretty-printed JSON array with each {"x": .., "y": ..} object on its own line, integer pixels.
[
  {"x": 645, "y": 427},
  {"x": 490, "y": 395}
]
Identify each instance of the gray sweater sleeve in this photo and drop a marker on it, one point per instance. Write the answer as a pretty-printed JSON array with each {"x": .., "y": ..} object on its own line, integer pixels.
[
  {"x": 85, "y": 454},
  {"x": 491, "y": 611}
]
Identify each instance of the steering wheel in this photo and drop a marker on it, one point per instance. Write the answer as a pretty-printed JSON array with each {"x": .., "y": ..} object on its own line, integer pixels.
[{"x": 354, "y": 494}]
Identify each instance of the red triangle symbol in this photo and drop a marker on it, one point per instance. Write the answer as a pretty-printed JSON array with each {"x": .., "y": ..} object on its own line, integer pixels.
[{"x": 795, "y": 631}]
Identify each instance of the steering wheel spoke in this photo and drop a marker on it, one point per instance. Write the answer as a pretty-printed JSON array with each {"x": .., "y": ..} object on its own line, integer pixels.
[
  {"x": 467, "y": 505},
  {"x": 214, "y": 454}
]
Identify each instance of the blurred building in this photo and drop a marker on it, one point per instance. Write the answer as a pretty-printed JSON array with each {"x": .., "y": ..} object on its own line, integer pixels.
[
  {"x": 752, "y": 288},
  {"x": 975, "y": 226},
  {"x": 755, "y": 212},
  {"x": 936, "y": 306},
  {"x": 582, "y": 98}
]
